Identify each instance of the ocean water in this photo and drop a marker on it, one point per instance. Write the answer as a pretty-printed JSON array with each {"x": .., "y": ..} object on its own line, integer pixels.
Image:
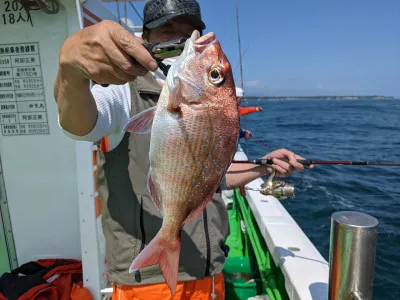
[{"x": 359, "y": 130}]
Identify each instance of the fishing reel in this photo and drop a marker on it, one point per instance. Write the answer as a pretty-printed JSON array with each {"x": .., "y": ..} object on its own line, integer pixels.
[{"x": 277, "y": 188}]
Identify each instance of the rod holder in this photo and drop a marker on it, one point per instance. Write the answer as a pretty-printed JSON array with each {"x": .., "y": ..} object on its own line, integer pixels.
[{"x": 352, "y": 256}]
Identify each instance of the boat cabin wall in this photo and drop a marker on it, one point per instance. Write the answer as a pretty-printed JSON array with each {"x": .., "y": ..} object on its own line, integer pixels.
[{"x": 38, "y": 161}]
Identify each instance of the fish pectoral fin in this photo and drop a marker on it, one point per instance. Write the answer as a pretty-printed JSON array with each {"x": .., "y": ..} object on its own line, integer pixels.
[
  {"x": 153, "y": 193},
  {"x": 162, "y": 251},
  {"x": 142, "y": 122}
]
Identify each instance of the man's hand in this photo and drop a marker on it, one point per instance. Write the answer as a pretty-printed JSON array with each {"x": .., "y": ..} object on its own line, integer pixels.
[
  {"x": 103, "y": 53},
  {"x": 284, "y": 169},
  {"x": 247, "y": 134}
]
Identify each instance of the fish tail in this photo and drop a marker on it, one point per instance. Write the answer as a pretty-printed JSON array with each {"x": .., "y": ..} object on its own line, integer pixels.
[{"x": 162, "y": 250}]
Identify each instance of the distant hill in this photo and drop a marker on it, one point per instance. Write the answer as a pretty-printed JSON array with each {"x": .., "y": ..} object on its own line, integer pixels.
[{"x": 321, "y": 98}]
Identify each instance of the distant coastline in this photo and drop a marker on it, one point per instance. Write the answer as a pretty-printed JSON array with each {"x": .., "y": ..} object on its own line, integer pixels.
[{"x": 322, "y": 98}]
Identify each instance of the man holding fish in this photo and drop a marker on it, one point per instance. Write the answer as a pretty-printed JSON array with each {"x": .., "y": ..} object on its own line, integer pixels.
[{"x": 164, "y": 152}]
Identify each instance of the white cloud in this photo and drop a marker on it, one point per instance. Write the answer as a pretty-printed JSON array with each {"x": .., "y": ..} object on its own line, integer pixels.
[{"x": 129, "y": 22}]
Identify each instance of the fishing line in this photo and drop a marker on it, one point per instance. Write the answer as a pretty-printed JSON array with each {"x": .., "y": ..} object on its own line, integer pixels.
[
  {"x": 237, "y": 65},
  {"x": 259, "y": 142}
]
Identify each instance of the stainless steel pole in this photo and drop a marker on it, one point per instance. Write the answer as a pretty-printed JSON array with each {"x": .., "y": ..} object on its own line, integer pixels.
[{"x": 352, "y": 255}]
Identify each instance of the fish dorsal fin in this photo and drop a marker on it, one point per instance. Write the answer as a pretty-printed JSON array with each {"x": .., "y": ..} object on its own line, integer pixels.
[
  {"x": 153, "y": 193},
  {"x": 142, "y": 122}
]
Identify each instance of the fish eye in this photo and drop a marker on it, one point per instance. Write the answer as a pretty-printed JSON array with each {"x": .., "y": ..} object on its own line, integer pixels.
[{"x": 216, "y": 75}]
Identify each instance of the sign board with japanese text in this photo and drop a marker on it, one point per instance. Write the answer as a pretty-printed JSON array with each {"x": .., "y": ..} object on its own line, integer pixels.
[
  {"x": 38, "y": 161},
  {"x": 12, "y": 13},
  {"x": 22, "y": 98}
]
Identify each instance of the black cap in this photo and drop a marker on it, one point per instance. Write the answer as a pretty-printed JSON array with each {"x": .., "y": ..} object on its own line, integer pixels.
[{"x": 159, "y": 12}]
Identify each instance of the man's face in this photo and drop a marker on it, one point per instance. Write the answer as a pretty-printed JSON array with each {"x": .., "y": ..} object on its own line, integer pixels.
[{"x": 173, "y": 29}]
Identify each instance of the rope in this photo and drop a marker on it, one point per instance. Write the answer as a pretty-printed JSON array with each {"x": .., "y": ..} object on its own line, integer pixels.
[{"x": 213, "y": 294}]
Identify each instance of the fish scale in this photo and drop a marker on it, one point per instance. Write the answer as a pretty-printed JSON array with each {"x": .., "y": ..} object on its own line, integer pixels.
[{"x": 194, "y": 132}]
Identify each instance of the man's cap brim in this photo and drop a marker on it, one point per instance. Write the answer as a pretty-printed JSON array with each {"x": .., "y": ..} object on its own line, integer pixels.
[{"x": 161, "y": 21}]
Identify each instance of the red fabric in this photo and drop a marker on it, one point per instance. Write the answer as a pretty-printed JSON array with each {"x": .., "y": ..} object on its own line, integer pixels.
[
  {"x": 72, "y": 266},
  {"x": 242, "y": 191},
  {"x": 249, "y": 110},
  {"x": 41, "y": 292}
]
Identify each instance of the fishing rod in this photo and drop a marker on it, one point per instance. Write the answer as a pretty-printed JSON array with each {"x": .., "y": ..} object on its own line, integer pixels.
[
  {"x": 282, "y": 190},
  {"x": 308, "y": 162}
]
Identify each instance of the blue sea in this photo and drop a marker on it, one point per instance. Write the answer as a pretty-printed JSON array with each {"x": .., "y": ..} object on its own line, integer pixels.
[{"x": 358, "y": 130}]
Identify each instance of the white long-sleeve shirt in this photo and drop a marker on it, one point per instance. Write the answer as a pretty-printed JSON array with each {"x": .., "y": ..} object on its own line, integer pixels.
[{"x": 113, "y": 105}]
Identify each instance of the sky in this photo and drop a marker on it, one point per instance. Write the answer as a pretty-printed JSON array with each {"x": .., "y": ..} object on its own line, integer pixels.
[{"x": 307, "y": 47}]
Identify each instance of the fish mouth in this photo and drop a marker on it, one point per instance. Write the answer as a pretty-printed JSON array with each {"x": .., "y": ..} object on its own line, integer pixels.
[
  {"x": 194, "y": 45},
  {"x": 195, "y": 36},
  {"x": 205, "y": 39},
  {"x": 189, "y": 51},
  {"x": 203, "y": 42}
]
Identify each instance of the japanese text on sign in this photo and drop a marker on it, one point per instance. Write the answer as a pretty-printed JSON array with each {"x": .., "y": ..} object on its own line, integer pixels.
[
  {"x": 13, "y": 13},
  {"x": 22, "y": 102}
]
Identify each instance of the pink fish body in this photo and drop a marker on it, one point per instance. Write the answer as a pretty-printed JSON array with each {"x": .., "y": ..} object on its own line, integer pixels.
[{"x": 194, "y": 133}]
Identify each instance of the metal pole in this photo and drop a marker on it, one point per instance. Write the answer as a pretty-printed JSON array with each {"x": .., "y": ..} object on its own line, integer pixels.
[
  {"x": 125, "y": 13},
  {"x": 241, "y": 67},
  {"x": 240, "y": 46},
  {"x": 352, "y": 255},
  {"x": 136, "y": 11}
]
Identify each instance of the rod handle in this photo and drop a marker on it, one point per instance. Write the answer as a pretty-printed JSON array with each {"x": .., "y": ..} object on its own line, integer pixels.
[{"x": 268, "y": 161}]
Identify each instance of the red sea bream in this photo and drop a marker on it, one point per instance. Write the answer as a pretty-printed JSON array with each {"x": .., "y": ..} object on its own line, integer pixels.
[{"x": 194, "y": 134}]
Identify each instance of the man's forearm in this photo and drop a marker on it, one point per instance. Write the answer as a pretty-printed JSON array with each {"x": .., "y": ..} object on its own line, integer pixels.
[
  {"x": 76, "y": 106},
  {"x": 241, "y": 174}
]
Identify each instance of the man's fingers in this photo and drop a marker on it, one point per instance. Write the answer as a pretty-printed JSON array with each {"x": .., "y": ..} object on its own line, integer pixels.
[
  {"x": 133, "y": 46},
  {"x": 283, "y": 165},
  {"x": 280, "y": 170},
  {"x": 285, "y": 158},
  {"x": 300, "y": 157},
  {"x": 292, "y": 159},
  {"x": 124, "y": 62},
  {"x": 109, "y": 74},
  {"x": 123, "y": 75},
  {"x": 298, "y": 166}
]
